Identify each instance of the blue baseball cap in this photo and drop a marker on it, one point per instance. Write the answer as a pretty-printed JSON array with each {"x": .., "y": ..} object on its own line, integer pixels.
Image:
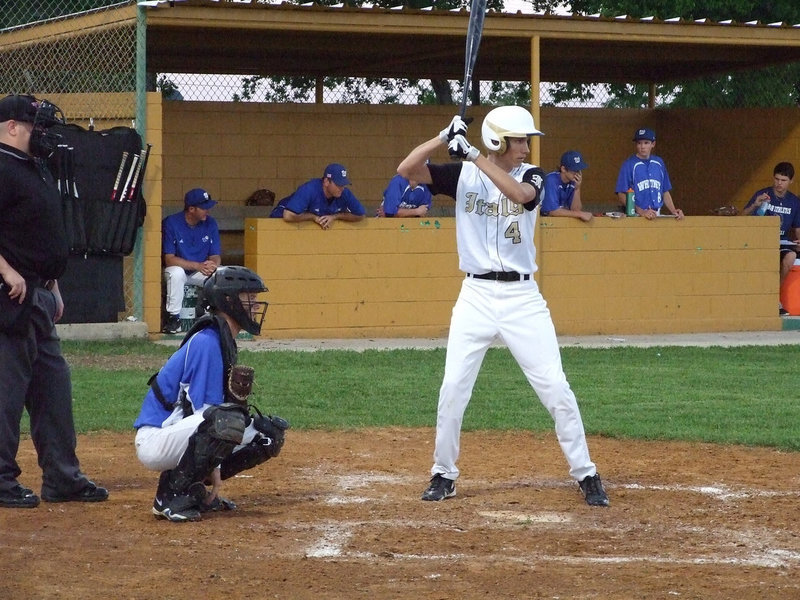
[
  {"x": 199, "y": 198},
  {"x": 644, "y": 134},
  {"x": 572, "y": 160},
  {"x": 337, "y": 173}
]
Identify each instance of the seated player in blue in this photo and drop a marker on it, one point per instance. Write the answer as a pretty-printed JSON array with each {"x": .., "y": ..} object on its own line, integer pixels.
[
  {"x": 646, "y": 174},
  {"x": 195, "y": 425},
  {"x": 322, "y": 200},
  {"x": 404, "y": 198},
  {"x": 562, "y": 189},
  {"x": 191, "y": 248},
  {"x": 779, "y": 201}
]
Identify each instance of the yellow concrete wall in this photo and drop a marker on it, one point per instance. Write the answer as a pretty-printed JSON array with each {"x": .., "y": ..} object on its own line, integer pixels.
[
  {"x": 714, "y": 157},
  {"x": 231, "y": 149},
  {"x": 636, "y": 276},
  {"x": 400, "y": 278},
  {"x": 153, "y": 192}
]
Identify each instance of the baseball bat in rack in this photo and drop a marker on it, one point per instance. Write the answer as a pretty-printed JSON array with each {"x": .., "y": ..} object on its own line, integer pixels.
[
  {"x": 119, "y": 175},
  {"x": 124, "y": 193},
  {"x": 137, "y": 180}
]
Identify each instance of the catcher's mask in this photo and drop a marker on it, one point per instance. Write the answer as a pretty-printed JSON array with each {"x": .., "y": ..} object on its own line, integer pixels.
[
  {"x": 42, "y": 114},
  {"x": 234, "y": 291}
]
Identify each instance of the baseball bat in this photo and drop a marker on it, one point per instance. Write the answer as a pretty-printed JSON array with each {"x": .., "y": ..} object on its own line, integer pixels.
[
  {"x": 134, "y": 162},
  {"x": 137, "y": 180},
  {"x": 119, "y": 175},
  {"x": 477, "y": 14},
  {"x": 135, "y": 177}
]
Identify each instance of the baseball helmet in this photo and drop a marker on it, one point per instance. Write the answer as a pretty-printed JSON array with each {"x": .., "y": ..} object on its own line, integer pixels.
[
  {"x": 505, "y": 122},
  {"x": 221, "y": 292}
]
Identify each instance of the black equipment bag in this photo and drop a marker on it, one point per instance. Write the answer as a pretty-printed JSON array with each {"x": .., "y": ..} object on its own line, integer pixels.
[{"x": 100, "y": 176}]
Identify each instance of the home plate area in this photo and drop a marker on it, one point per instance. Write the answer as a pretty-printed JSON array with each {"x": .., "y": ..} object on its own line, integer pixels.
[{"x": 338, "y": 515}]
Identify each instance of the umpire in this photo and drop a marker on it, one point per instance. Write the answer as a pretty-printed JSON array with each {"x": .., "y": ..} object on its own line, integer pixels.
[{"x": 33, "y": 255}]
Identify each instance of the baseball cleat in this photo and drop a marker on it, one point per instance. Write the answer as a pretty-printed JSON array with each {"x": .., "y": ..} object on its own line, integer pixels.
[
  {"x": 593, "y": 491},
  {"x": 439, "y": 489}
]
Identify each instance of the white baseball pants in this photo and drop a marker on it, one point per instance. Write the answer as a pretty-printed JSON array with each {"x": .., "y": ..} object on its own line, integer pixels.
[{"x": 518, "y": 314}]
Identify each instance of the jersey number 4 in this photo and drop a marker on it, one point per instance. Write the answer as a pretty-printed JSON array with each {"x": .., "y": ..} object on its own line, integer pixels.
[{"x": 512, "y": 233}]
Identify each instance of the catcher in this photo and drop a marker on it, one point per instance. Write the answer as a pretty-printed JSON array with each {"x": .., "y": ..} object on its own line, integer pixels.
[{"x": 195, "y": 424}]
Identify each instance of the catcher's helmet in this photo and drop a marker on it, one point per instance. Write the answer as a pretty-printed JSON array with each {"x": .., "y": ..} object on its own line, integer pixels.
[
  {"x": 505, "y": 122},
  {"x": 221, "y": 292}
]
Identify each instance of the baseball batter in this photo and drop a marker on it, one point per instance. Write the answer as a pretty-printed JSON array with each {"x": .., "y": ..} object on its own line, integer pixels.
[{"x": 496, "y": 198}]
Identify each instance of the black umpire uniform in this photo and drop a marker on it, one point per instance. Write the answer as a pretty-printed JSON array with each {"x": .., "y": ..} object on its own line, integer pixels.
[{"x": 33, "y": 372}]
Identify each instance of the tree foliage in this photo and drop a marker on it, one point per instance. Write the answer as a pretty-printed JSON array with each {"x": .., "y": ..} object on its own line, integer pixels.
[{"x": 771, "y": 86}]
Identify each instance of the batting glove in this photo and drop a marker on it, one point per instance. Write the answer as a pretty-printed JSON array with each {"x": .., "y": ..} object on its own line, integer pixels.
[
  {"x": 459, "y": 147},
  {"x": 456, "y": 127}
]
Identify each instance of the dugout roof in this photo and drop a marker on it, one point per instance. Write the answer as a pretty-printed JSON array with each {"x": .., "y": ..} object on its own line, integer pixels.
[{"x": 199, "y": 36}]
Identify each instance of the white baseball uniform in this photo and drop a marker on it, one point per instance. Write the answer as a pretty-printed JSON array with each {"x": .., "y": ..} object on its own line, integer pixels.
[{"x": 495, "y": 241}]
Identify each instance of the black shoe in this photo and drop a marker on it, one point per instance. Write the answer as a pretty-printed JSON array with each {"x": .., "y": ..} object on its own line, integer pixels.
[
  {"x": 19, "y": 497},
  {"x": 90, "y": 493},
  {"x": 439, "y": 489},
  {"x": 782, "y": 311},
  {"x": 180, "y": 508},
  {"x": 172, "y": 324},
  {"x": 593, "y": 491}
]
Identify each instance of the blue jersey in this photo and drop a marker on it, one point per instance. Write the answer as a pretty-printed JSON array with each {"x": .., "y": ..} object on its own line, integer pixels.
[
  {"x": 310, "y": 197},
  {"x": 787, "y": 208},
  {"x": 648, "y": 178},
  {"x": 399, "y": 194},
  {"x": 195, "y": 367},
  {"x": 557, "y": 194},
  {"x": 190, "y": 243}
]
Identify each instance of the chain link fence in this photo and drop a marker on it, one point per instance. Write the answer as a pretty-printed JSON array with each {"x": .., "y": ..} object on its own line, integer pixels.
[{"x": 85, "y": 49}]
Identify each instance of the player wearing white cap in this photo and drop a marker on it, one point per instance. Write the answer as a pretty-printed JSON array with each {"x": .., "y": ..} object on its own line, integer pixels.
[{"x": 496, "y": 199}]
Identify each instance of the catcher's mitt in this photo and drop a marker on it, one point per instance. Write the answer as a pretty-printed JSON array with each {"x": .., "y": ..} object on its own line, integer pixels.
[{"x": 240, "y": 384}]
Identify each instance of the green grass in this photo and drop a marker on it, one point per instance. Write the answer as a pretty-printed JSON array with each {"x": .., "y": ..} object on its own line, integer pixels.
[{"x": 742, "y": 395}]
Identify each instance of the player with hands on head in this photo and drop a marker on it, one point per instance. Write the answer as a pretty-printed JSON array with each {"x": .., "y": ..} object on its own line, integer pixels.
[
  {"x": 195, "y": 425},
  {"x": 646, "y": 174},
  {"x": 404, "y": 198},
  {"x": 562, "y": 189},
  {"x": 496, "y": 197}
]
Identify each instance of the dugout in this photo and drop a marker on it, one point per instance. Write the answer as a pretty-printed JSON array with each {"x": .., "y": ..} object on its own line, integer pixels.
[{"x": 234, "y": 148}]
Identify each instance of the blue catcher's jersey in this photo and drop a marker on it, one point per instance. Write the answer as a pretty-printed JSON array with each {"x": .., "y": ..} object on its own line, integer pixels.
[
  {"x": 195, "y": 367},
  {"x": 648, "y": 178}
]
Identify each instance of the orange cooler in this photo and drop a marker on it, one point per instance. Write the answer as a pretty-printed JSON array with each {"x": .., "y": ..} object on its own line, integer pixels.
[{"x": 790, "y": 291}]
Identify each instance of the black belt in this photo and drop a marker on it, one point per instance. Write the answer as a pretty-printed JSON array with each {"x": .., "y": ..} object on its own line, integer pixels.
[{"x": 501, "y": 276}]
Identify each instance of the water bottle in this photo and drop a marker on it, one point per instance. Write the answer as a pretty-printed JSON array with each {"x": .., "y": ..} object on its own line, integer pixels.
[
  {"x": 630, "y": 209},
  {"x": 761, "y": 210}
]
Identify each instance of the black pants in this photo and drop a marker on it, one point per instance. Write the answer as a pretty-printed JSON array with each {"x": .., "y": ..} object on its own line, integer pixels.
[{"x": 35, "y": 376}]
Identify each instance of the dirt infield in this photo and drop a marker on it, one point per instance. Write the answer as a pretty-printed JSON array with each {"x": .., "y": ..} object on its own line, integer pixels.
[{"x": 338, "y": 515}]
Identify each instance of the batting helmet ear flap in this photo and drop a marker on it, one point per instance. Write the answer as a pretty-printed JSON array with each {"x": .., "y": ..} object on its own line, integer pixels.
[{"x": 506, "y": 122}]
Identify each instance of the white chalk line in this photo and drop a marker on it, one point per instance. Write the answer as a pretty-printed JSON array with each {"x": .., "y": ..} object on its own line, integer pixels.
[{"x": 335, "y": 536}]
